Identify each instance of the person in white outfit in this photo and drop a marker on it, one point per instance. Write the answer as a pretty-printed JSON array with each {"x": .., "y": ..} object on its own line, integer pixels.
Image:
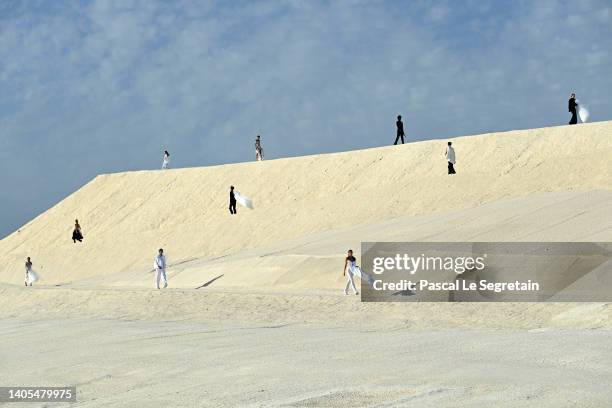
[
  {"x": 450, "y": 157},
  {"x": 349, "y": 271},
  {"x": 258, "y": 149},
  {"x": 160, "y": 268},
  {"x": 166, "y": 162},
  {"x": 30, "y": 276}
]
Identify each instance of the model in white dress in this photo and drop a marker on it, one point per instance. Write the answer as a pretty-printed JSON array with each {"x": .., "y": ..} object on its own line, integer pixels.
[
  {"x": 352, "y": 270},
  {"x": 166, "y": 162},
  {"x": 30, "y": 275}
]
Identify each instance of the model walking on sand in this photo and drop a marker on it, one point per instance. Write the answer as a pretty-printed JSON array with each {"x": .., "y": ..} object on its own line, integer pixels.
[
  {"x": 232, "y": 203},
  {"x": 258, "y": 149},
  {"x": 350, "y": 263},
  {"x": 160, "y": 269},
  {"x": 166, "y": 162},
  {"x": 450, "y": 158},
  {"x": 77, "y": 235},
  {"x": 352, "y": 270},
  {"x": 572, "y": 104},
  {"x": 400, "y": 130},
  {"x": 30, "y": 276}
]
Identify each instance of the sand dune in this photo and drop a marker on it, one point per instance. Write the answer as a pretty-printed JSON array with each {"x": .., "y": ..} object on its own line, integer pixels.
[
  {"x": 268, "y": 325},
  {"x": 127, "y": 216},
  {"x": 314, "y": 260}
]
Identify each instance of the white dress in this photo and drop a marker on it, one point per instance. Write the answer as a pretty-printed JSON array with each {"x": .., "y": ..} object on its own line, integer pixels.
[
  {"x": 166, "y": 162},
  {"x": 31, "y": 276}
]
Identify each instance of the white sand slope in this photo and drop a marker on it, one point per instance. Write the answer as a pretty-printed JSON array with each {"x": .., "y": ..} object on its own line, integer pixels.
[
  {"x": 268, "y": 325},
  {"x": 127, "y": 216},
  {"x": 314, "y": 261}
]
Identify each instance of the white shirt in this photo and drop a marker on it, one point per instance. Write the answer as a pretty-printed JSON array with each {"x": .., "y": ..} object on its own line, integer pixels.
[
  {"x": 160, "y": 262},
  {"x": 450, "y": 154}
]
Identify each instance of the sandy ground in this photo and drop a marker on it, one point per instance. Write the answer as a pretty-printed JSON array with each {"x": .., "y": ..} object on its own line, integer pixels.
[
  {"x": 193, "y": 364},
  {"x": 287, "y": 339},
  {"x": 268, "y": 325}
]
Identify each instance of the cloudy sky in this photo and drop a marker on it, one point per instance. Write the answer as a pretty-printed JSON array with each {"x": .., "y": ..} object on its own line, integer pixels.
[{"x": 90, "y": 87}]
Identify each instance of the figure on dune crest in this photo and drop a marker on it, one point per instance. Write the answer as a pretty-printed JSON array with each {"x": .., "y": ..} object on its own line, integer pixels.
[
  {"x": 77, "y": 235},
  {"x": 258, "y": 149},
  {"x": 571, "y": 107},
  {"x": 400, "y": 130},
  {"x": 166, "y": 162},
  {"x": 450, "y": 158}
]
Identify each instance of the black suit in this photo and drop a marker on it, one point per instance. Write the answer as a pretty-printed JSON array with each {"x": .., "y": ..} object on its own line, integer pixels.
[
  {"x": 400, "y": 131},
  {"x": 232, "y": 206},
  {"x": 571, "y": 106}
]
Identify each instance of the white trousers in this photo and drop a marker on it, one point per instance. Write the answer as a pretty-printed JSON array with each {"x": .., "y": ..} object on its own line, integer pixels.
[
  {"x": 350, "y": 282},
  {"x": 161, "y": 274},
  {"x": 165, "y": 165}
]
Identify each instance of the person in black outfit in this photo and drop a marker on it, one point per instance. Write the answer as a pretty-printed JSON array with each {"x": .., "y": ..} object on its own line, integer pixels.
[
  {"x": 400, "y": 130},
  {"x": 76, "y": 233},
  {"x": 232, "y": 205},
  {"x": 572, "y": 105}
]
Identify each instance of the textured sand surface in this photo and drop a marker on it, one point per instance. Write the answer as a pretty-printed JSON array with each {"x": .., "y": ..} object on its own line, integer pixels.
[
  {"x": 193, "y": 364},
  {"x": 268, "y": 325},
  {"x": 126, "y": 217}
]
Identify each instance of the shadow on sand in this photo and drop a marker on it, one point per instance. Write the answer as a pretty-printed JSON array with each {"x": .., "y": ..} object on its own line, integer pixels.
[{"x": 209, "y": 282}]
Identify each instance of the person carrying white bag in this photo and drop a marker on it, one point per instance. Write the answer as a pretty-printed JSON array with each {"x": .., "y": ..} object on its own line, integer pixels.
[
  {"x": 159, "y": 264},
  {"x": 351, "y": 270},
  {"x": 30, "y": 275}
]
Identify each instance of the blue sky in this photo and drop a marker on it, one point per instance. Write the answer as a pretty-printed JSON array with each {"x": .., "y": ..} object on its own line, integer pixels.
[{"x": 90, "y": 87}]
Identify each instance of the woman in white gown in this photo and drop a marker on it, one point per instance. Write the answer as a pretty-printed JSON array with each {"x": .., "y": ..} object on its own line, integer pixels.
[
  {"x": 166, "y": 162},
  {"x": 351, "y": 270},
  {"x": 30, "y": 276}
]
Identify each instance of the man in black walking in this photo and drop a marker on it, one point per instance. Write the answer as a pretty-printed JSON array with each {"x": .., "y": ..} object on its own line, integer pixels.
[
  {"x": 400, "y": 130},
  {"x": 232, "y": 205},
  {"x": 572, "y": 105}
]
